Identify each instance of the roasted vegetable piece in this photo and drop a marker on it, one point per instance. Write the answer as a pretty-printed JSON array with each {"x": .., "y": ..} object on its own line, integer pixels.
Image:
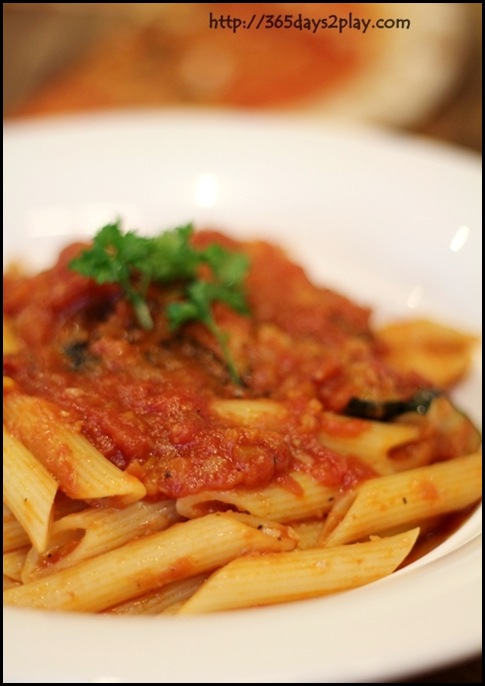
[{"x": 385, "y": 410}]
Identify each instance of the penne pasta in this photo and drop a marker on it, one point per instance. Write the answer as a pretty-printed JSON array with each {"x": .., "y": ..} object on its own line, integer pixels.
[
  {"x": 265, "y": 579},
  {"x": 13, "y": 564},
  {"x": 371, "y": 441},
  {"x": 183, "y": 550},
  {"x": 9, "y": 583},
  {"x": 308, "y": 532},
  {"x": 303, "y": 497},
  {"x": 443, "y": 354},
  {"x": 251, "y": 412},
  {"x": 28, "y": 490},
  {"x": 81, "y": 471},
  {"x": 180, "y": 438},
  {"x": 400, "y": 500},
  {"x": 165, "y": 600},
  {"x": 14, "y": 534},
  {"x": 94, "y": 532}
]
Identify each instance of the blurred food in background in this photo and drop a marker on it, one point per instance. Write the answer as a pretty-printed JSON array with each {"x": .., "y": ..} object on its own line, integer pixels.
[{"x": 278, "y": 57}]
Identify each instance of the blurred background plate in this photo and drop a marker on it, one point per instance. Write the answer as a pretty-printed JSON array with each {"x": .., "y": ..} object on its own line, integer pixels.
[{"x": 408, "y": 65}]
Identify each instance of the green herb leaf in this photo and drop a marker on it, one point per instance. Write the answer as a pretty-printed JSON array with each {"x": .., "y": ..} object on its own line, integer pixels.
[{"x": 134, "y": 262}]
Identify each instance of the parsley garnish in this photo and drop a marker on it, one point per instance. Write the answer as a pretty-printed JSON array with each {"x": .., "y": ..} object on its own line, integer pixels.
[{"x": 134, "y": 262}]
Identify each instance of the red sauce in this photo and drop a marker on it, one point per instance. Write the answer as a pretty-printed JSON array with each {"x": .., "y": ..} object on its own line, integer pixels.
[
  {"x": 144, "y": 398},
  {"x": 335, "y": 425}
]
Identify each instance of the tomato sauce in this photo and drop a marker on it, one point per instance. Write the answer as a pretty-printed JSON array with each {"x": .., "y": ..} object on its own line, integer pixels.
[{"x": 145, "y": 399}]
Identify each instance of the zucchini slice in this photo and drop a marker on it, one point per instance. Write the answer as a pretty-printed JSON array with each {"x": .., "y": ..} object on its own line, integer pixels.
[{"x": 385, "y": 410}]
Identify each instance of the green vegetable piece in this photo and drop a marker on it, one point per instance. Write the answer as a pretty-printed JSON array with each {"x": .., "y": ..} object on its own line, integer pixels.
[{"x": 134, "y": 262}]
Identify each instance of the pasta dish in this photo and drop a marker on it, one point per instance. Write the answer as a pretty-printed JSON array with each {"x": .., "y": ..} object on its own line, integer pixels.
[{"x": 192, "y": 425}]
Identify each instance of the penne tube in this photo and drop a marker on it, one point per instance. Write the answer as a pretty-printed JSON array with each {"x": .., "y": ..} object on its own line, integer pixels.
[
  {"x": 13, "y": 563},
  {"x": 81, "y": 470},
  {"x": 184, "y": 550},
  {"x": 400, "y": 500},
  {"x": 440, "y": 353},
  {"x": 94, "y": 532},
  {"x": 308, "y": 532},
  {"x": 14, "y": 534},
  {"x": 371, "y": 441},
  {"x": 180, "y": 439},
  {"x": 162, "y": 600},
  {"x": 260, "y": 412},
  {"x": 266, "y": 579},
  {"x": 9, "y": 583},
  {"x": 28, "y": 490},
  {"x": 303, "y": 498}
]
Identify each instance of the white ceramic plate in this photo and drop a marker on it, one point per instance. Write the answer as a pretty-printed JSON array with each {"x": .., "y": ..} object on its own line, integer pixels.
[{"x": 393, "y": 222}]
